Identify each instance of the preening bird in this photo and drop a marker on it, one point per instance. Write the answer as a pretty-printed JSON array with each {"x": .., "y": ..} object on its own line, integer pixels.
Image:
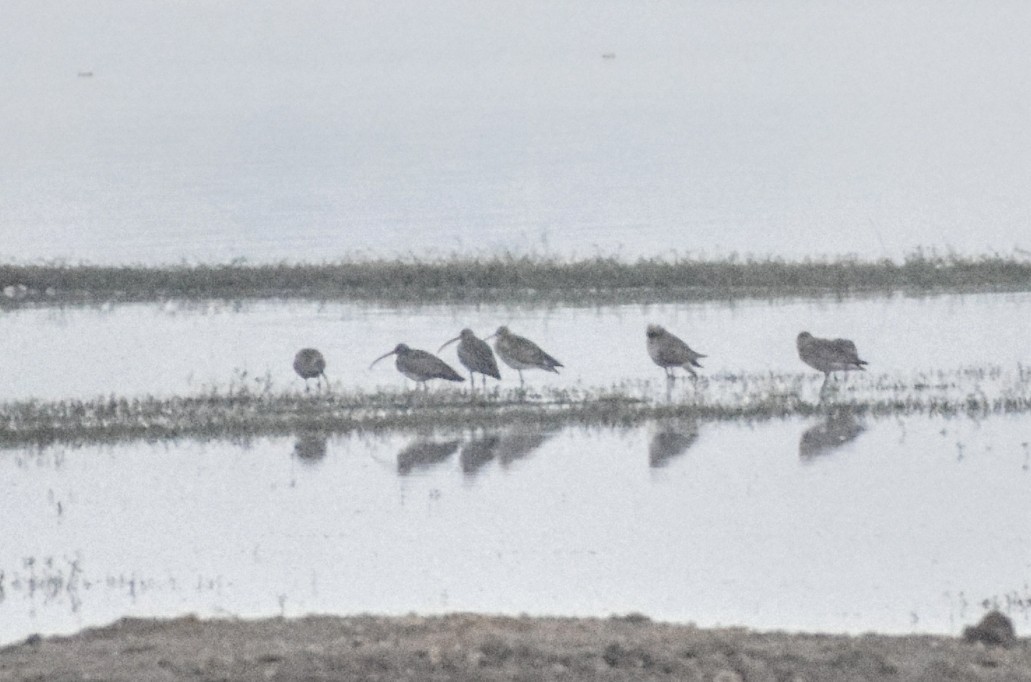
[
  {"x": 828, "y": 355},
  {"x": 309, "y": 364}
]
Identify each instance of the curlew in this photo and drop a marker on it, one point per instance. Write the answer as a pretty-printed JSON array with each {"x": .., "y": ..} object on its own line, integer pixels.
[
  {"x": 520, "y": 353},
  {"x": 476, "y": 356},
  {"x": 828, "y": 355},
  {"x": 420, "y": 366},
  {"x": 668, "y": 352},
  {"x": 309, "y": 364}
]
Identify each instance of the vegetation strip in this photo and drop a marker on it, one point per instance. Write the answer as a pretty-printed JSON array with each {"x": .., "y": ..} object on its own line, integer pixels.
[
  {"x": 244, "y": 412},
  {"x": 467, "y": 646},
  {"x": 512, "y": 278}
]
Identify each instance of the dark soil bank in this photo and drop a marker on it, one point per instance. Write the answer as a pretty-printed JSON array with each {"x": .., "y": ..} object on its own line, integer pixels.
[{"x": 473, "y": 647}]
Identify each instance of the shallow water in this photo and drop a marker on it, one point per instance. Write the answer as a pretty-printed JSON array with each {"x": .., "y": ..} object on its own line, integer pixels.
[
  {"x": 252, "y": 130},
  {"x": 838, "y": 524},
  {"x": 140, "y": 349}
]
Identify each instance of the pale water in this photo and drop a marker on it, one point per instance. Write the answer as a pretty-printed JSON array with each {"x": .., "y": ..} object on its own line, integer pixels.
[
  {"x": 183, "y": 348},
  {"x": 895, "y": 525},
  {"x": 155, "y": 133},
  {"x": 838, "y": 524}
]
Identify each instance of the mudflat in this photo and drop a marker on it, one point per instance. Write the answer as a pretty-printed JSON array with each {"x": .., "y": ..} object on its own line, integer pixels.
[{"x": 481, "y": 647}]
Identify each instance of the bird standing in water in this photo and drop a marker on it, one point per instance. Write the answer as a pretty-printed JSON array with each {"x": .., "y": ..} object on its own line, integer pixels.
[
  {"x": 420, "y": 366},
  {"x": 309, "y": 364},
  {"x": 476, "y": 356},
  {"x": 520, "y": 353},
  {"x": 668, "y": 352},
  {"x": 828, "y": 355}
]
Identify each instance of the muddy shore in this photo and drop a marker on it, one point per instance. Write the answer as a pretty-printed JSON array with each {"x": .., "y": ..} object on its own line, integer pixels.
[{"x": 477, "y": 647}]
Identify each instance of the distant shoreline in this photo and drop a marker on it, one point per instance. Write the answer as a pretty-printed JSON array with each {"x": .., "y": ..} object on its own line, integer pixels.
[{"x": 513, "y": 279}]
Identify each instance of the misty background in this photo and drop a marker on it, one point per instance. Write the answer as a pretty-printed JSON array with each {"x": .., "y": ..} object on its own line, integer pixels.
[{"x": 156, "y": 132}]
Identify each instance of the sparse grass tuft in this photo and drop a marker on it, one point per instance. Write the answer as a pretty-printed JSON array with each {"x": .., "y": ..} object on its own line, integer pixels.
[{"x": 243, "y": 411}]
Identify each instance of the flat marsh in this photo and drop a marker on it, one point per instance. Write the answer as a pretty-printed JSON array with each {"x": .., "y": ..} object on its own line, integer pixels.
[
  {"x": 512, "y": 278},
  {"x": 246, "y": 409}
]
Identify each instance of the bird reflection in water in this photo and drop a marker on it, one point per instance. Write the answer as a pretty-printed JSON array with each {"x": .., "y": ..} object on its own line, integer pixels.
[
  {"x": 840, "y": 427},
  {"x": 423, "y": 454},
  {"x": 506, "y": 448},
  {"x": 670, "y": 441},
  {"x": 478, "y": 452},
  {"x": 310, "y": 448},
  {"x": 516, "y": 445}
]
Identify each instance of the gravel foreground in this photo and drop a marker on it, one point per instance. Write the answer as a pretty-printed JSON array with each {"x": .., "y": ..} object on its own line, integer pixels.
[{"x": 476, "y": 647}]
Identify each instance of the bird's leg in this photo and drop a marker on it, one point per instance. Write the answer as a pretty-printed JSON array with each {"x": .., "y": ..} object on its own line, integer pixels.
[
  {"x": 520, "y": 377},
  {"x": 824, "y": 385},
  {"x": 306, "y": 387}
]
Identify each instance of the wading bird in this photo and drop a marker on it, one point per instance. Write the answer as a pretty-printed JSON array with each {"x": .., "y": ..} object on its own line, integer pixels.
[
  {"x": 476, "y": 356},
  {"x": 828, "y": 355},
  {"x": 668, "y": 351},
  {"x": 519, "y": 353},
  {"x": 309, "y": 364},
  {"x": 420, "y": 366}
]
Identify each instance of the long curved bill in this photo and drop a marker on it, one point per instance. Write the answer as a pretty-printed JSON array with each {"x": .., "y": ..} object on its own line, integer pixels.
[
  {"x": 448, "y": 343},
  {"x": 385, "y": 355}
]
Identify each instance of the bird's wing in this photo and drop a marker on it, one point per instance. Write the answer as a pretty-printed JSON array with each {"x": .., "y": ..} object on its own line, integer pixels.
[
  {"x": 845, "y": 350},
  {"x": 485, "y": 358}
]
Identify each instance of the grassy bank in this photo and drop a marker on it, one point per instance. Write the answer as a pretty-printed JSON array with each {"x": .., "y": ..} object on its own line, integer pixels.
[
  {"x": 478, "y": 647},
  {"x": 244, "y": 411},
  {"x": 506, "y": 278}
]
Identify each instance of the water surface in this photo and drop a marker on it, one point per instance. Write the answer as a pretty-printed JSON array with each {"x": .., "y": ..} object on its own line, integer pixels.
[
  {"x": 141, "y": 349},
  {"x": 836, "y": 524}
]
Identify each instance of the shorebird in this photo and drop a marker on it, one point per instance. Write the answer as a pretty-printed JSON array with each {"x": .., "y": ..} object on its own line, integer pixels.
[
  {"x": 420, "y": 366},
  {"x": 309, "y": 364},
  {"x": 668, "y": 351},
  {"x": 520, "y": 353},
  {"x": 828, "y": 355},
  {"x": 476, "y": 356}
]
